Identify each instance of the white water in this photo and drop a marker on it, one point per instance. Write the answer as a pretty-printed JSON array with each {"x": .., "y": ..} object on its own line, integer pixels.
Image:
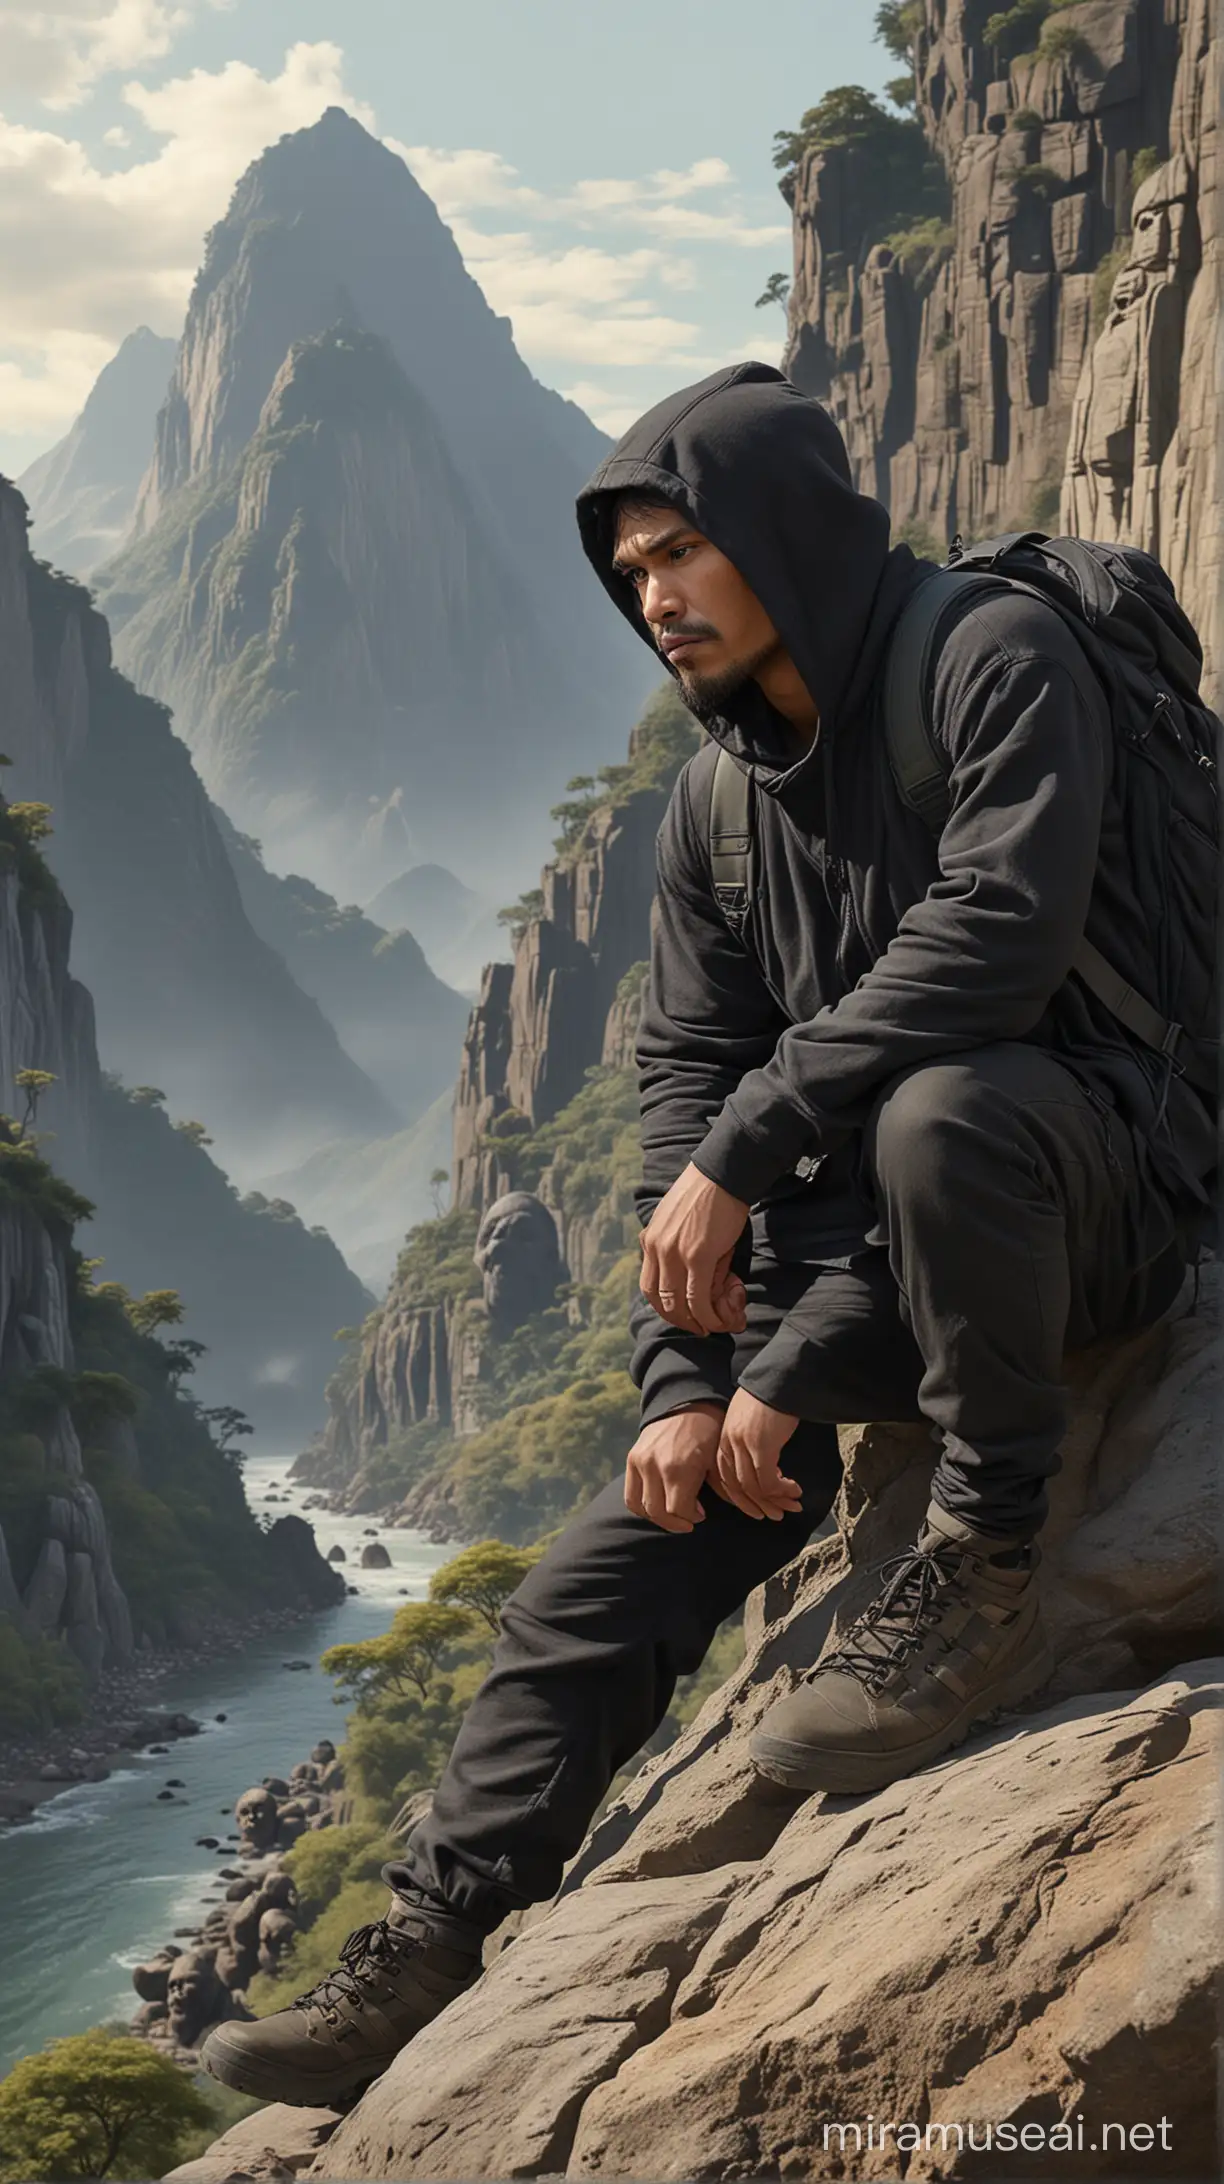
[{"x": 103, "y": 1875}]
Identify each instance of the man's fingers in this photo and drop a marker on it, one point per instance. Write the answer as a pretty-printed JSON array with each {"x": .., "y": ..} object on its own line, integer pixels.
[
  {"x": 633, "y": 1490},
  {"x": 767, "y": 1482},
  {"x": 728, "y": 1472}
]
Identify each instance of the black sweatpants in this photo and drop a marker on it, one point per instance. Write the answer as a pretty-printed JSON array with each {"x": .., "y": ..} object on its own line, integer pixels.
[{"x": 1009, "y": 1206}]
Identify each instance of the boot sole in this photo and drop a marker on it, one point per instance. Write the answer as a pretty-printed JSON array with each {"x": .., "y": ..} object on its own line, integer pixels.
[
  {"x": 266, "y": 2080},
  {"x": 851, "y": 1774}
]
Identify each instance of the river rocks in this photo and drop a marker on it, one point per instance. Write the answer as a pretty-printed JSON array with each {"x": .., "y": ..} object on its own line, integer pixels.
[
  {"x": 255, "y": 1813},
  {"x": 375, "y": 1556},
  {"x": 336, "y": 1553}
]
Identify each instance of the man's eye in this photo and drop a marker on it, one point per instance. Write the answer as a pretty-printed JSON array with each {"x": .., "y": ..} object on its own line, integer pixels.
[{"x": 676, "y": 552}]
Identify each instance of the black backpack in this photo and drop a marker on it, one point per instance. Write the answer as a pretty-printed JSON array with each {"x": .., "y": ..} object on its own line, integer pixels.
[{"x": 1123, "y": 610}]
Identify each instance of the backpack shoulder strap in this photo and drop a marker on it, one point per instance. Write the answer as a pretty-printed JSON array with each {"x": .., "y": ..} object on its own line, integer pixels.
[
  {"x": 731, "y": 840},
  {"x": 918, "y": 768}
]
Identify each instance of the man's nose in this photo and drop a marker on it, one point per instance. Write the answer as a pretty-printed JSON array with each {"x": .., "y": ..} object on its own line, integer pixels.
[{"x": 660, "y": 600}]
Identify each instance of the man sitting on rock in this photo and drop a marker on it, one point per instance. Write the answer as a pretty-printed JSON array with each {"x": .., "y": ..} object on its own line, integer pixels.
[{"x": 896, "y": 1159}]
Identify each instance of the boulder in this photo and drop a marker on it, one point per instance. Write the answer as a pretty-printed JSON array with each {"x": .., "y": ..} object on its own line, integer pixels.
[
  {"x": 374, "y": 1556},
  {"x": 271, "y": 2146},
  {"x": 1023, "y": 1932}
]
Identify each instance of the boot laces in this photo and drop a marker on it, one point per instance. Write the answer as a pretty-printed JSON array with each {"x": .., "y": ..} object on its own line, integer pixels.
[
  {"x": 914, "y": 1590},
  {"x": 369, "y": 1950}
]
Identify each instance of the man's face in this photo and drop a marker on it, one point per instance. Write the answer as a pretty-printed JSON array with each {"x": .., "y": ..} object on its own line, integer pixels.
[{"x": 706, "y": 621}]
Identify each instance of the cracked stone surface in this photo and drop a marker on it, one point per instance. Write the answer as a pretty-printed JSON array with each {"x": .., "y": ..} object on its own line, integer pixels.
[{"x": 1024, "y": 1932}]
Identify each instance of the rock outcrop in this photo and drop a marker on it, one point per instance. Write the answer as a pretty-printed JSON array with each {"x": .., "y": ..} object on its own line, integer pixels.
[
  {"x": 71, "y": 1591},
  {"x": 542, "y": 1021},
  {"x": 732, "y": 1982},
  {"x": 390, "y": 543},
  {"x": 82, "y": 492},
  {"x": 569, "y": 1002},
  {"x": 1047, "y": 358},
  {"x": 188, "y": 998}
]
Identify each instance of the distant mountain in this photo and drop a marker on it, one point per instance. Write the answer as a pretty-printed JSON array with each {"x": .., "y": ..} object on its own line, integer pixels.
[
  {"x": 355, "y": 574},
  {"x": 399, "y": 1022},
  {"x": 456, "y": 927},
  {"x": 189, "y": 998},
  {"x": 368, "y": 1196},
  {"x": 263, "y": 1291},
  {"x": 82, "y": 492}
]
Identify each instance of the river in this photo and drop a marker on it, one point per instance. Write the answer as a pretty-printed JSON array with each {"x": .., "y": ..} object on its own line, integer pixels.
[{"x": 104, "y": 1874}]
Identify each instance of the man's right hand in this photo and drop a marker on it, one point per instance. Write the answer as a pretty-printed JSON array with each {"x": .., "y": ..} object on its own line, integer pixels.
[{"x": 668, "y": 1465}]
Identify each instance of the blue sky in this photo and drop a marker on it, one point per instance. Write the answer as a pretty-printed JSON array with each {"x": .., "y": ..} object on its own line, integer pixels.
[{"x": 606, "y": 169}]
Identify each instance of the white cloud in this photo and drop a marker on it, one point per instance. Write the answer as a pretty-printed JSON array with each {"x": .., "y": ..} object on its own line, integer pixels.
[
  {"x": 57, "y": 54},
  {"x": 87, "y": 254},
  {"x": 590, "y": 276}
]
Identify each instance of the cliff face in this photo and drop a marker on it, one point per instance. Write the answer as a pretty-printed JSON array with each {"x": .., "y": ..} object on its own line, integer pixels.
[
  {"x": 82, "y": 492},
  {"x": 541, "y": 1021},
  {"x": 389, "y": 544},
  {"x": 568, "y": 1003},
  {"x": 188, "y": 998},
  {"x": 401, "y": 1024},
  {"x": 1048, "y": 358}
]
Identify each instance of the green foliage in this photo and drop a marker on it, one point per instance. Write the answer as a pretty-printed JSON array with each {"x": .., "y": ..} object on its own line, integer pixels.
[
  {"x": 923, "y": 246},
  {"x": 897, "y": 25},
  {"x": 1062, "y": 42},
  {"x": 41, "y": 1685},
  {"x": 902, "y": 90},
  {"x": 322, "y": 1863},
  {"x": 519, "y": 915},
  {"x": 896, "y": 180},
  {"x": 1024, "y": 117},
  {"x": 19, "y": 853},
  {"x": 537, "y": 1466},
  {"x": 1145, "y": 162},
  {"x": 407, "y": 1656},
  {"x": 481, "y": 1579},
  {"x": 98, "y": 2104},
  {"x": 1103, "y": 279},
  {"x": 920, "y": 540},
  {"x": 26, "y": 1179},
  {"x": 436, "y": 1261},
  {"x": 776, "y": 290},
  {"x": 1037, "y": 181},
  {"x": 32, "y": 821}
]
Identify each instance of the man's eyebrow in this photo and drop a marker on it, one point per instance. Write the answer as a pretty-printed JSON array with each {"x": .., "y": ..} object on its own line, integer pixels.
[{"x": 661, "y": 538}]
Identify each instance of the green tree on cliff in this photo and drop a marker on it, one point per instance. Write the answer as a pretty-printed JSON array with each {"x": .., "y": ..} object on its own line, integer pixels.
[
  {"x": 99, "y": 2104},
  {"x": 482, "y": 1578}
]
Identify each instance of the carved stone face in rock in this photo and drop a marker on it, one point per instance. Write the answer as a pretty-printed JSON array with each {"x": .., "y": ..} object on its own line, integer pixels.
[
  {"x": 1125, "y": 409},
  {"x": 517, "y": 1253},
  {"x": 193, "y": 1996},
  {"x": 255, "y": 1813}
]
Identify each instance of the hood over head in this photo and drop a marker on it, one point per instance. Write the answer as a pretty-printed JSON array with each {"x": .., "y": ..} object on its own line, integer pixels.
[{"x": 762, "y": 471}]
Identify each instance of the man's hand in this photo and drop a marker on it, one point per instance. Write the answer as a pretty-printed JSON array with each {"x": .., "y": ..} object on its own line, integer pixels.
[
  {"x": 668, "y": 1465},
  {"x": 686, "y": 1256},
  {"x": 748, "y": 1469}
]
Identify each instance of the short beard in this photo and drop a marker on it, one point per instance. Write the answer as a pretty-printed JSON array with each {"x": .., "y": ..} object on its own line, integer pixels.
[{"x": 707, "y": 696}]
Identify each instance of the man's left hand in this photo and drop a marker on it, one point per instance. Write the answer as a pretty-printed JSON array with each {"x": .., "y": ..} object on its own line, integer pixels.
[
  {"x": 686, "y": 1256},
  {"x": 748, "y": 1469}
]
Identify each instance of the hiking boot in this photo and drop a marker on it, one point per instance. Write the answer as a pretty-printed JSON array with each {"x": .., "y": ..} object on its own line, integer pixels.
[
  {"x": 394, "y": 1976},
  {"x": 953, "y": 1635}
]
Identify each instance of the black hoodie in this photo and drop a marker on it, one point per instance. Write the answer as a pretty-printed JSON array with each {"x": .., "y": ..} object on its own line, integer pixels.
[{"x": 869, "y": 946}]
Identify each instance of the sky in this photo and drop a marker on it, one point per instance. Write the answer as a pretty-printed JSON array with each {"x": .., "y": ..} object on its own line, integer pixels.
[{"x": 606, "y": 169}]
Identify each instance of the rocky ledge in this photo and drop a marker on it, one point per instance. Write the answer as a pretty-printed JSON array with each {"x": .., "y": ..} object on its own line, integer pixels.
[{"x": 1027, "y": 1933}]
